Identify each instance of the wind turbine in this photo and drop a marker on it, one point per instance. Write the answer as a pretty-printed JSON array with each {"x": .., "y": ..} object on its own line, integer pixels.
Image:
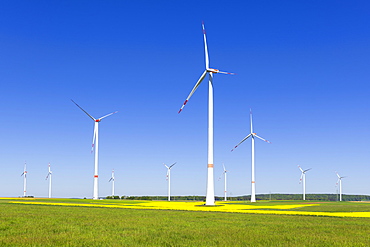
[
  {"x": 303, "y": 180},
  {"x": 210, "y": 195},
  {"x": 49, "y": 176},
  {"x": 225, "y": 191},
  {"x": 168, "y": 178},
  {"x": 340, "y": 185},
  {"x": 95, "y": 143},
  {"x": 112, "y": 179},
  {"x": 252, "y": 135},
  {"x": 24, "y": 174}
]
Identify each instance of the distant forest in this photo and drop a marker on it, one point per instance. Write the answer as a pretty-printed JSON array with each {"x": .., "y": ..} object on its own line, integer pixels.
[{"x": 309, "y": 197}]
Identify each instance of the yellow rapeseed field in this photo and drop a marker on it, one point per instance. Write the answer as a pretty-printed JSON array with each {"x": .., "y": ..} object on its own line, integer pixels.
[{"x": 229, "y": 207}]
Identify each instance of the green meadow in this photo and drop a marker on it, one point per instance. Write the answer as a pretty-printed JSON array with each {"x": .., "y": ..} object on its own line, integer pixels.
[{"x": 68, "y": 225}]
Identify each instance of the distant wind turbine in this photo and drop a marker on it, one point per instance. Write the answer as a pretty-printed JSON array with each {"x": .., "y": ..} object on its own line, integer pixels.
[
  {"x": 49, "y": 177},
  {"x": 168, "y": 178},
  {"x": 210, "y": 196},
  {"x": 340, "y": 185},
  {"x": 112, "y": 179},
  {"x": 24, "y": 174},
  {"x": 252, "y": 135},
  {"x": 303, "y": 180},
  {"x": 95, "y": 143},
  {"x": 225, "y": 191}
]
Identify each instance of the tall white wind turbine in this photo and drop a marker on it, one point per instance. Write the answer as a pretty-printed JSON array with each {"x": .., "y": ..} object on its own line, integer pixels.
[
  {"x": 303, "y": 180},
  {"x": 24, "y": 174},
  {"x": 168, "y": 177},
  {"x": 252, "y": 135},
  {"x": 225, "y": 188},
  {"x": 340, "y": 186},
  {"x": 95, "y": 143},
  {"x": 112, "y": 179},
  {"x": 49, "y": 177},
  {"x": 210, "y": 195}
]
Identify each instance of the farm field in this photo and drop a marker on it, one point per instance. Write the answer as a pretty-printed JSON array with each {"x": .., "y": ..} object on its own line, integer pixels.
[{"x": 82, "y": 222}]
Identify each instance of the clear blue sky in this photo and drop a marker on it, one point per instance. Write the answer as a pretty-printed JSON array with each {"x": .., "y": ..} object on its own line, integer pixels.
[{"x": 302, "y": 66}]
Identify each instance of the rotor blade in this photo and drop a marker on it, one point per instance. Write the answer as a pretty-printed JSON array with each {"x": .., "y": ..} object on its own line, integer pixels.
[
  {"x": 250, "y": 117},
  {"x": 227, "y": 73},
  {"x": 262, "y": 138},
  {"x": 22, "y": 174},
  {"x": 84, "y": 110},
  {"x": 110, "y": 179},
  {"x": 172, "y": 165},
  {"x": 224, "y": 167},
  {"x": 167, "y": 174},
  {"x": 300, "y": 168},
  {"x": 307, "y": 170},
  {"x": 337, "y": 175},
  {"x": 300, "y": 180},
  {"x": 93, "y": 141},
  {"x": 245, "y": 138},
  {"x": 47, "y": 176},
  {"x": 165, "y": 165},
  {"x": 108, "y": 115},
  {"x": 193, "y": 90},
  {"x": 205, "y": 46}
]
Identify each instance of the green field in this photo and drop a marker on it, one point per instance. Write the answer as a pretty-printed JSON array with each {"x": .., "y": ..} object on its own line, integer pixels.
[{"x": 88, "y": 224}]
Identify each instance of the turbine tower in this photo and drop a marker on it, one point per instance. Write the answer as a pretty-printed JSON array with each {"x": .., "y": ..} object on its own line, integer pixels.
[
  {"x": 95, "y": 143},
  {"x": 24, "y": 174},
  {"x": 225, "y": 191},
  {"x": 112, "y": 179},
  {"x": 210, "y": 195},
  {"x": 340, "y": 186},
  {"x": 252, "y": 135},
  {"x": 303, "y": 180},
  {"x": 49, "y": 177},
  {"x": 168, "y": 177}
]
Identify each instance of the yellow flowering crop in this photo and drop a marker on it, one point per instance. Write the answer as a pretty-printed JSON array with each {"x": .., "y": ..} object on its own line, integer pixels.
[{"x": 230, "y": 207}]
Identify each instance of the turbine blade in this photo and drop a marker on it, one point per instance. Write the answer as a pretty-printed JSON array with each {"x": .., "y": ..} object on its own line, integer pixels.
[
  {"x": 205, "y": 46},
  {"x": 300, "y": 180},
  {"x": 300, "y": 168},
  {"x": 245, "y": 138},
  {"x": 250, "y": 117},
  {"x": 47, "y": 176},
  {"x": 93, "y": 141},
  {"x": 110, "y": 179},
  {"x": 224, "y": 167},
  {"x": 167, "y": 174},
  {"x": 193, "y": 90},
  {"x": 165, "y": 165},
  {"x": 84, "y": 111},
  {"x": 262, "y": 139},
  {"x": 337, "y": 175},
  {"x": 108, "y": 115},
  {"x": 307, "y": 170},
  {"x": 227, "y": 73},
  {"x": 172, "y": 165}
]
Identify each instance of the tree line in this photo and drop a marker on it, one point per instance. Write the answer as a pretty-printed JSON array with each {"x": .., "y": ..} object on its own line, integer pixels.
[{"x": 265, "y": 197}]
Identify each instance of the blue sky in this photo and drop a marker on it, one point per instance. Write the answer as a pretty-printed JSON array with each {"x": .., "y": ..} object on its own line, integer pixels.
[{"x": 302, "y": 66}]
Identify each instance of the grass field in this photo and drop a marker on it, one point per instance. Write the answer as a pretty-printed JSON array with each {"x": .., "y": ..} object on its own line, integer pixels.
[{"x": 73, "y": 222}]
